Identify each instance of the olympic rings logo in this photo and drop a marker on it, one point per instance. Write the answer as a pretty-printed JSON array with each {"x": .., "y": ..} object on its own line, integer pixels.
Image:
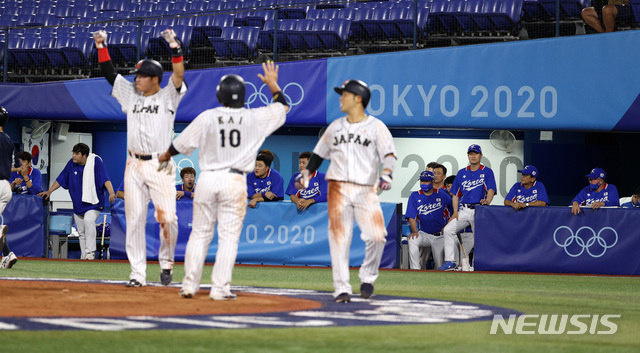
[
  {"x": 588, "y": 244},
  {"x": 293, "y": 93}
]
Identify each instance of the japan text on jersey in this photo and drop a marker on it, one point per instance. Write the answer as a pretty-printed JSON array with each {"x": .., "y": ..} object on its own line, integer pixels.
[{"x": 351, "y": 138}]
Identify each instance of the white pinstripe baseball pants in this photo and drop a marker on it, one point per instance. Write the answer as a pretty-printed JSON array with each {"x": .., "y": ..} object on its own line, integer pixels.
[
  {"x": 346, "y": 200},
  {"x": 466, "y": 217},
  {"x": 221, "y": 198},
  {"x": 143, "y": 182}
]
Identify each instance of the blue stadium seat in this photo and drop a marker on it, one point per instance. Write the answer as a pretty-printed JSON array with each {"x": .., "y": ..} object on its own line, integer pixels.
[
  {"x": 446, "y": 20},
  {"x": 371, "y": 25},
  {"x": 244, "y": 47},
  {"x": 315, "y": 13},
  {"x": 506, "y": 18},
  {"x": 389, "y": 27},
  {"x": 335, "y": 37},
  {"x": 220, "y": 43},
  {"x": 258, "y": 18},
  {"x": 295, "y": 36},
  {"x": 357, "y": 30}
]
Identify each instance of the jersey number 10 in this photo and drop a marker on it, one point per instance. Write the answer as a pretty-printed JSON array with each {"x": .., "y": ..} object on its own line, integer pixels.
[{"x": 234, "y": 138}]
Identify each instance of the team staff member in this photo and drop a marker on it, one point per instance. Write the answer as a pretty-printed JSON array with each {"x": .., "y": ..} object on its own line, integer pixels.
[
  {"x": 597, "y": 194},
  {"x": 473, "y": 185},
  {"x": 150, "y": 113},
  {"x": 188, "y": 186},
  {"x": 356, "y": 145},
  {"x": 8, "y": 163},
  {"x": 528, "y": 192},
  {"x": 317, "y": 190},
  {"x": 635, "y": 201},
  {"x": 27, "y": 180},
  {"x": 264, "y": 184},
  {"x": 428, "y": 211},
  {"x": 228, "y": 138},
  {"x": 86, "y": 178}
]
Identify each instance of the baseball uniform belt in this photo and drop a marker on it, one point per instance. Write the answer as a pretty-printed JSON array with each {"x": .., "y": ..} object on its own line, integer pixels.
[
  {"x": 470, "y": 206},
  {"x": 235, "y": 171},
  {"x": 437, "y": 234},
  {"x": 143, "y": 157}
]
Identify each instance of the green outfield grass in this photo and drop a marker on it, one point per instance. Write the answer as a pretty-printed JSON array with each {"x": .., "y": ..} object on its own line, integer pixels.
[{"x": 528, "y": 293}]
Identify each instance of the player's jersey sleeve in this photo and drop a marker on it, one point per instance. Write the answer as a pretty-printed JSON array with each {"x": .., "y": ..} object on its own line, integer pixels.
[
  {"x": 270, "y": 118},
  {"x": 36, "y": 182},
  {"x": 455, "y": 187},
  {"x": 412, "y": 207},
  {"x": 323, "y": 187},
  {"x": 511, "y": 195},
  {"x": 278, "y": 185},
  {"x": 123, "y": 91},
  {"x": 63, "y": 178},
  {"x": 323, "y": 147},
  {"x": 490, "y": 180},
  {"x": 291, "y": 188},
  {"x": 250, "y": 189},
  {"x": 542, "y": 193},
  {"x": 582, "y": 196},
  {"x": 193, "y": 135},
  {"x": 384, "y": 142},
  {"x": 613, "y": 197}
]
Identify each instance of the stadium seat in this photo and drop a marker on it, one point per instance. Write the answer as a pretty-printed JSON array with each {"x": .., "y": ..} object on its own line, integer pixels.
[
  {"x": 220, "y": 43},
  {"x": 507, "y": 16},
  {"x": 335, "y": 37},
  {"x": 295, "y": 36},
  {"x": 358, "y": 32},
  {"x": 244, "y": 47},
  {"x": 371, "y": 25}
]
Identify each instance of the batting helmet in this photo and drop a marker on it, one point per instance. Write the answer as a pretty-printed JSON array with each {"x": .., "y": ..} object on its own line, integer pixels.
[
  {"x": 231, "y": 91},
  {"x": 356, "y": 87},
  {"x": 148, "y": 67},
  {"x": 4, "y": 116}
]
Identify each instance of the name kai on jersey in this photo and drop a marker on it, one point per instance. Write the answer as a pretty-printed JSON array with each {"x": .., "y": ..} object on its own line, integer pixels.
[{"x": 351, "y": 139}]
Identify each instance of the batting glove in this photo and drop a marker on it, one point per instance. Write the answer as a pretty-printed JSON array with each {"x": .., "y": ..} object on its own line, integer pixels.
[
  {"x": 385, "y": 182},
  {"x": 302, "y": 180},
  {"x": 101, "y": 38},
  {"x": 166, "y": 166}
]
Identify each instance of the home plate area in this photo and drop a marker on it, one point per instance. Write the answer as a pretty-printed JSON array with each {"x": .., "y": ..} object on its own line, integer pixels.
[{"x": 109, "y": 306}]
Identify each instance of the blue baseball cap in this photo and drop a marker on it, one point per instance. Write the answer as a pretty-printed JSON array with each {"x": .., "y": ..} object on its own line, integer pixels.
[
  {"x": 529, "y": 170},
  {"x": 475, "y": 148},
  {"x": 597, "y": 173},
  {"x": 426, "y": 175}
]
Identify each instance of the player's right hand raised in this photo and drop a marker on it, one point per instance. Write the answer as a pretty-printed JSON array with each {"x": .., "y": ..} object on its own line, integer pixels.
[{"x": 100, "y": 37}]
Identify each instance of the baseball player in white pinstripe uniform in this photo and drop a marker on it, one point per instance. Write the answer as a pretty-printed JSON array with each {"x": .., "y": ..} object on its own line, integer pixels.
[
  {"x": 229, "y": 138},
  {"x": 356, "y": 145},
  {"x": 150, "y": 115}
]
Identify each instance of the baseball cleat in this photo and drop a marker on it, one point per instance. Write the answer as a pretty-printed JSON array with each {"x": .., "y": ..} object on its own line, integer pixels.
[
  {"x": 184, "y": 294},
  {"x": 366, "y": 290},
  {"x": 448, "y": 266},
  {"x": 9, "y": 260},
  {"x": 134, "y": 284},
  {"x": 166, "y": 276},
  {"x": 228, "y": 296},
  {"x": 342, "y": 298}
]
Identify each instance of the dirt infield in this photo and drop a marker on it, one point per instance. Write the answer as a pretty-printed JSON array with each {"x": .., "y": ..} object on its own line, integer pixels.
[{"x": 69, "y": 299}]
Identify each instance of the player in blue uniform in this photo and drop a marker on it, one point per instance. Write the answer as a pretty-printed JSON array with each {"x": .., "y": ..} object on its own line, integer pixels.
[
  {"x": 597, "y": 194},
  {"x": 27, "y": 180},
  {"x": 317, "y": 190},
  {"x": 8, "y": 163},
  {"x": 473, "y": 185},
  {"x": 635, "y": 201},
  {"x": 188, "y": 186},
  {"x": 428, "y": 211},
  {"x": 528, "y": 192},
  {"x": 87, "y": 203},
  {"x": 264, "y": 184}
]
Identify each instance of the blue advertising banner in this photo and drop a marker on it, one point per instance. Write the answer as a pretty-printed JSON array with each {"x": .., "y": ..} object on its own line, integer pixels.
[
  {"x": 551, "y": 239},
  {"x": 551, "y": 84},
  {"x": 274, "y": 233},
  {"x": 25, "y": 215}
]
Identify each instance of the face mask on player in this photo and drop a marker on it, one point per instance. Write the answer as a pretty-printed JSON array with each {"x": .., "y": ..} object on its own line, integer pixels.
[
  {"x": 594, "y": 187},
  {"x": 426, "y": 187}
]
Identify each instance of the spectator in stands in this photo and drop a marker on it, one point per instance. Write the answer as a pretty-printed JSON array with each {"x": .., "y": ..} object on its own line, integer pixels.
[
  {"x": 439, "y": 175},
  {"x": 86, "y": 178},
  {"x": 27, "y": 180},
  {"x": 317, "y": 190},
  {"x": 188, "y": 186},
  {"x": 428, "y": 211},
  {"x": 635, "y": 201},
  {"x": 597, "y": 194},
  {"x": 528, "y": 192},
  {"x": 602, "y": 14},
  {"x": 448, "y": 182},
  {"x": 264, "y": 184}
]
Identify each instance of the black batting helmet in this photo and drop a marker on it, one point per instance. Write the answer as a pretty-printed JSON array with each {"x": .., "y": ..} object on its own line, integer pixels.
[
  {"x": 356, "y": 87},
  {"x": 231, "y": 91},
  {"x": 4, "y": 116},
  {"x": 148, "y": 67}
]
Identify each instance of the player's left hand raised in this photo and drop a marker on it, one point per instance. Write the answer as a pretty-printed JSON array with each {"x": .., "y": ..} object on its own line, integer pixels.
[{"x": 385, "y": 182}]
